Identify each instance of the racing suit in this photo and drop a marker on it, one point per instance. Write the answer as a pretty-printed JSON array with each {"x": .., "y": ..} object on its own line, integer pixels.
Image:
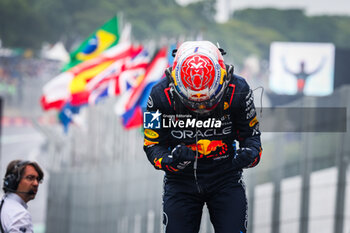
[{"x": 213, "y": 178}]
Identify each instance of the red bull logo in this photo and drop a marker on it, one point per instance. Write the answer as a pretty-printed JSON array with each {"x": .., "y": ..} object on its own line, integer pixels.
[
  {"x": 158, "y": 163},
  {"x": 206, "y": 148}
]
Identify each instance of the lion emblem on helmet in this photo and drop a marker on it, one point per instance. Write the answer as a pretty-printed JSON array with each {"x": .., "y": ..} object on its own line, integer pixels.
[{"x": 197, "y": 72}]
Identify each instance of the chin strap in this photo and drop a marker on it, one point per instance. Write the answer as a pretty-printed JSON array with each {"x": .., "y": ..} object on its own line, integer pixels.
[
  {"x": 176, "y": 103},
  {"x": 219, "y": 110}
]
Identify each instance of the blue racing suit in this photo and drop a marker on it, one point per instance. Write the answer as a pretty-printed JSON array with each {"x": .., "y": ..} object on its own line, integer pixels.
[{"x": 215, "y": 176}]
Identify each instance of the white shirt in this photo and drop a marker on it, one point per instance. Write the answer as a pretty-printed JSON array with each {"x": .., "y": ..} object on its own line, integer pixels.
[{"x": 15, "y": 217}]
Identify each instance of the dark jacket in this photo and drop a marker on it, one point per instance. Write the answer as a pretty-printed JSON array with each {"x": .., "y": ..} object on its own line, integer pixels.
[{"x": 234, "y": 119}]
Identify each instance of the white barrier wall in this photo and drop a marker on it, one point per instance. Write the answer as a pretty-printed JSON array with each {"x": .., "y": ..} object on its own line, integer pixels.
[
  {"x": 290, "y": 205},
  {"x": 347, "y": 205},
  {"x": 263, "y": 208},
  {"x": 321, "y": 206},
  {"x": 322, "y": 200}
]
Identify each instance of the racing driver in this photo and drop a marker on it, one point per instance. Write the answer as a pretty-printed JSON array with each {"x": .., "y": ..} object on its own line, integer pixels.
[{"x": 202, "y": 132}]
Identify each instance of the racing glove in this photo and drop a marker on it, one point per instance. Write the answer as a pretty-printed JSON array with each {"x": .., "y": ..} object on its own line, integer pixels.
[
  {"x": 244, "y": 158},
  {"x": 180, "y": 157},
  {"x": 182, "y": 153}
]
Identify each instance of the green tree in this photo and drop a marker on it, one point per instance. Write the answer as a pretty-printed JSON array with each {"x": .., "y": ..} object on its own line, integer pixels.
[
  {"x": 21, "y": 26},
  {"x": 29, "y": 23}
]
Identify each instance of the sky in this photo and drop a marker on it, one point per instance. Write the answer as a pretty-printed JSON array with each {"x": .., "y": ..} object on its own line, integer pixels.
[{"x": 312, "y": 7}]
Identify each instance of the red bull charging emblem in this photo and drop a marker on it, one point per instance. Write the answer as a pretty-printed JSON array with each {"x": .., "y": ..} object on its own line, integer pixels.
[{"x": 208, "y": 148}]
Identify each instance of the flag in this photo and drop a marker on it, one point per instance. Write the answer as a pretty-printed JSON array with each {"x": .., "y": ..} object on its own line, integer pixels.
[
  {"x": 66, "y": 115},
  {"x": 90, "y": 69},
  {"x": 130, "y": 104},
  {"x": 153, "y": 74},
  {"x": 56, "y": 92},
  {"x": 97, "y": 87},
  {"x": 70, "y": 85},
  {"x": 133, "y": 118},
  {"x": 130, "y": 75},
  {"x": 103, "y": 38},
  {"x": 118, "y": 78}
]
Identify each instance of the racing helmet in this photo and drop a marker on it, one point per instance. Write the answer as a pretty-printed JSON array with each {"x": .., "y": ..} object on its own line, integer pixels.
[{"x": 199, "y": 75}]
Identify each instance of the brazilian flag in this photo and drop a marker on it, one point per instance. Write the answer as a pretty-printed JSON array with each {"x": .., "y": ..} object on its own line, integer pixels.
[{"x": 103, "y": 38}]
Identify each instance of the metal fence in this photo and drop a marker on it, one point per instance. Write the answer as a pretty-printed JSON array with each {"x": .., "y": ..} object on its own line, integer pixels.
[{"x": 101, "y": 181}]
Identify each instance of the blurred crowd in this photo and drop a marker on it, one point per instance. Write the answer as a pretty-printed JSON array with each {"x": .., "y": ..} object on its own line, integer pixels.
[{"x": 22, "y": 78}]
